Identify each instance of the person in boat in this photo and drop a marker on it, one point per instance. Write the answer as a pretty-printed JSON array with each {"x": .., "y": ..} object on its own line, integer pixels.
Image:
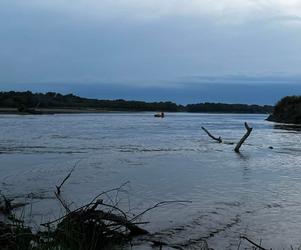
[{"x": 160, "y": 115}]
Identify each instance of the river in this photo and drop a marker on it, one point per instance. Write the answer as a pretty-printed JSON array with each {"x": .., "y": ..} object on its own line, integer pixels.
[{"x": 256, "y": 193}]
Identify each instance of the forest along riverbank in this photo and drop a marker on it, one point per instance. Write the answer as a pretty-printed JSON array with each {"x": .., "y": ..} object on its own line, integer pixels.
[
  {"x": 253, "y": 193},
  {"x": 34, "y": 103},
  {"x": 52, "y": 111}
]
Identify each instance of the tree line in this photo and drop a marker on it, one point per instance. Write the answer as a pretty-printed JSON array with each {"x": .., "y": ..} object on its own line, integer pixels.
[{"x": 21, "y": 100}]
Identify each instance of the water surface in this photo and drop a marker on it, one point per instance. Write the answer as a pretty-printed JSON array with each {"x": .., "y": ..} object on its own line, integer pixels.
[{"x": 256, "y": 193}]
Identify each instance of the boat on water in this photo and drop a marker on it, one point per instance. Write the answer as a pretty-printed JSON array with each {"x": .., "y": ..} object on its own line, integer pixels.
[{"x": 159, "y": 115}]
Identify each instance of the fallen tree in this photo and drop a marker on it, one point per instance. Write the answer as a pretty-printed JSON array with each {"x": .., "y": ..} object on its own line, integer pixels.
[
  {"x": 245, "y": 136},
  {"x": 239, "y": 144}
]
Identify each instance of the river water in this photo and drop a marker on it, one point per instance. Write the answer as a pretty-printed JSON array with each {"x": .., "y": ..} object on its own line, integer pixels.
[{"x": 256, "y": 193}]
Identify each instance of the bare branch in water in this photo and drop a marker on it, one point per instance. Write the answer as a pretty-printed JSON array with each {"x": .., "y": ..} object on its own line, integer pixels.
[
  {"x": 253, "y": 243},
  {"x": 242, "y": 140},
  {"x": 159, "y": 204},
  {"x": 58, "y": 188},
  {"x": 219, "y": 139},
  {"x": 63, "y": 202},
  {"x": 109, "y": 191}
]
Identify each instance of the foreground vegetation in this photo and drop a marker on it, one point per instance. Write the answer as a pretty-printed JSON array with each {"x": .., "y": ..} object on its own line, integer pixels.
[
  {"x": 98, "y": 224},
  {"x": 287, "y": 110},
  {"x": 92, "y": 226},
  {"x": 24, "y": 101}
]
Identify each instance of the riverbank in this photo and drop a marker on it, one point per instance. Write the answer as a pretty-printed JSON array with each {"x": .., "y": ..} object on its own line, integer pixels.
[
  {"x": 287, "y": 110},
  {"x": 52, "y": 111},
  {"x": 50, "y": 102}
]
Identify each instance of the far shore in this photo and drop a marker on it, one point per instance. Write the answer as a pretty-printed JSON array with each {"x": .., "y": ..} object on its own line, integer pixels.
[{"x": 52, "y": 111}]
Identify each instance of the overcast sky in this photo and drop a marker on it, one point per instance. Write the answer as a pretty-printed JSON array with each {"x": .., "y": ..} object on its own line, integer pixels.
[{"x": 139, "y": 45}]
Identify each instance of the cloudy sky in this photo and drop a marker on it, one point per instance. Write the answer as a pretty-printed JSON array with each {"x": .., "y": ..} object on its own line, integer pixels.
[{"x": 180, "y": 50}]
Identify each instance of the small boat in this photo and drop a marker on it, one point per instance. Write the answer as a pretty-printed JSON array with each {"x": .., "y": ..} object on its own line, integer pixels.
[{"x": 159, "y": 115}]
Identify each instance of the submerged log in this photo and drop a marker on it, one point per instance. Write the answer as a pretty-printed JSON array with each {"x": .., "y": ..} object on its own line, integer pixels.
[
  {"x": 242, "y": 140},
  {"x": 219, "y": 139}
]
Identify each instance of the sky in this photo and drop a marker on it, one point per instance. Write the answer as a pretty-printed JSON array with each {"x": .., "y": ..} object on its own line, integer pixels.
[{"x": 246, "y": 51}]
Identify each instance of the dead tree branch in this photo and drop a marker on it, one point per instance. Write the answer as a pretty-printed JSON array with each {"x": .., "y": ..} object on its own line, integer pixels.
[
  {"x": 58, "y": 188},
  {"x": 109, "y": 191},
  {"x": 159, "y": 204},
  {"x": 63, "y": 202},
  {"x": 120, "y": 220},
  {"x": 90, "y": 211},
  {"x": 242, "y": 140},
  {"x": 253, "y": 243},
  {"x": 219, "y": 139},
  {"x": 106, "y": 220}
]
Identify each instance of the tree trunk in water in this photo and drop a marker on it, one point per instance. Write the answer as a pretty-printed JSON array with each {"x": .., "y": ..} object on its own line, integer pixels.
[{"x": 242, "y": 140}]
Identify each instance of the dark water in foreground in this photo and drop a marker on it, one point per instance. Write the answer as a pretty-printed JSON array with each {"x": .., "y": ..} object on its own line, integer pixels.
[{"x": 257, "y": 192}]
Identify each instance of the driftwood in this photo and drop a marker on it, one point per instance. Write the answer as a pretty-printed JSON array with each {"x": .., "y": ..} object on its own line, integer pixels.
[
  {"x": 253, "y": 243},
  {"x": 105, "y": 223},
  {"x": 242, "y": 140},
  {"x": 219, "y": 139},
  {"x": 114, "y": 220},
  {"x": 95, "y": 225}
]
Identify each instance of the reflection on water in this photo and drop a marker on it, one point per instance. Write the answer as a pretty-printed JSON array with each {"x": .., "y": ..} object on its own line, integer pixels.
[{"x": 256, "y": 192}]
